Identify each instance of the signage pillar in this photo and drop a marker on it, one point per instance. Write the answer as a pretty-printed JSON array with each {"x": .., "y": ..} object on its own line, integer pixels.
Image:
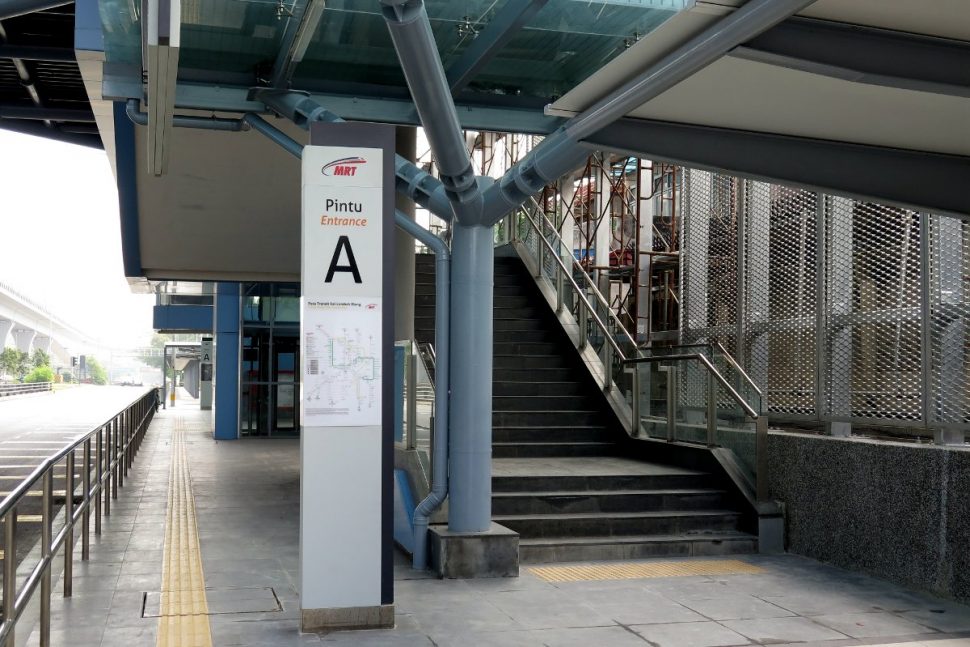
[
  {"x": 205, "y": 374},
  {"x": 346, "y": 396}
]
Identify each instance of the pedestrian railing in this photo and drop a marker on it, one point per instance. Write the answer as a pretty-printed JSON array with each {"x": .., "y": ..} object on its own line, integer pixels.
[
  {"x": 708, "y": 398},
  {"x": 106, "y": 455},
  {"x": 27, "y": 387}
]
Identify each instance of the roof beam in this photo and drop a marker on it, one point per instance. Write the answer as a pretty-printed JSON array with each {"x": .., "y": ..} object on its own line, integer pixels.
[
  {"x": 12, "y": 8},
  {"x": 36, "y": 53},
  {"x": 40, "y": 113},
  {"x": 299, "y": 31},
  {"x": 912, "y": 179},
  {"x": 499, "y": 31},
  {"x": 864, "y": 55},
  {"x": 561, "y": 152}
]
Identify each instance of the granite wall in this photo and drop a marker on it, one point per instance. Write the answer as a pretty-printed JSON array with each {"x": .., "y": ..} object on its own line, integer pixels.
[{"x": 894, "y": 510}]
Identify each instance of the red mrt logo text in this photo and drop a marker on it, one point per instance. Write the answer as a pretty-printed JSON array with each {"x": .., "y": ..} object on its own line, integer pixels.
[{"x": 346, "y": 166}]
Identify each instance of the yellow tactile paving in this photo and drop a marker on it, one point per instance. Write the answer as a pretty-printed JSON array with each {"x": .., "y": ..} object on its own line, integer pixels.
[
  {"x": 183, "y": 611},
  {"x": 637, "y": 570}
]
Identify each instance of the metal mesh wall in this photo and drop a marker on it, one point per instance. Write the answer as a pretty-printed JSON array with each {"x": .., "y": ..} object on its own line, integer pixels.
[{"x": 841, "y": 310}]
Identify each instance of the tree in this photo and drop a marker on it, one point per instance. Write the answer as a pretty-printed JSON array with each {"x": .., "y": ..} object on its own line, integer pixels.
[
  {"x": 14, "y": 362},
  {"x": 40, "y": 358},
  {"x": 158, "y": 345},
  {"x": 8, "y": 361},
  {"x": 95, "y": 371},
  {"x": 40, "y": 374}
]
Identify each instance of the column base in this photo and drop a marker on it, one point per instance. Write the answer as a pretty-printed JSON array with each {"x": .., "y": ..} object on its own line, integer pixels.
[
  {"x": 344, "y": 618},
  {"x": 493, "y": 553}
]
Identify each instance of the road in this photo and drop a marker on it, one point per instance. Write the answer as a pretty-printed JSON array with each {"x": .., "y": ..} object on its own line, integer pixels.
[{"x": 36, "y": 426}]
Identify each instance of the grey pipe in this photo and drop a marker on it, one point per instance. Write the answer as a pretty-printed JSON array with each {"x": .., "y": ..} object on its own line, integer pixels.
[
  {"x": 439, "y": 485},
  {"x": 289, "y": 144},
  {"x": 560, "y": 151},
  {"x": 410, "y": 30},
  {"x": 201, "y": 123},
  {"x": 412, "y": 182}
]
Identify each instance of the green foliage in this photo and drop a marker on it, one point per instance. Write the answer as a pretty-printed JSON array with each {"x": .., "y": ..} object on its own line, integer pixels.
[
  {"x": 14, "y": 362},
  {"x": 158, "y": 345},
  {"x": 40, "y": 358},
  {"x": 95, "y": 371},
  {"x": 40, "y": 374}
]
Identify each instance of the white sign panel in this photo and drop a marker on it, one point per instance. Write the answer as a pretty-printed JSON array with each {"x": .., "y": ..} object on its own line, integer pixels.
[{"x": 342, "y": 274}]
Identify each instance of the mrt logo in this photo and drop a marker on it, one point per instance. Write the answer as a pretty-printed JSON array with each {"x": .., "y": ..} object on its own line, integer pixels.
[{"x": 346, "y": 166}]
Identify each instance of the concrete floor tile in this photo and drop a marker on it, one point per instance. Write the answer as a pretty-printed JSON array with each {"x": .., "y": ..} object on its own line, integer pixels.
[
  {"x": 871, "y": 625},
  {"x": 741, "y": 607},
  {"x": 783, "y": 630},
  {"x": 690, "y": 634}
]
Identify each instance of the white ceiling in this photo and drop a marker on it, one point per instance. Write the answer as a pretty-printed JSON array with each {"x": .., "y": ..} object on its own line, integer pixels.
[{"x": 746, "y": 95}]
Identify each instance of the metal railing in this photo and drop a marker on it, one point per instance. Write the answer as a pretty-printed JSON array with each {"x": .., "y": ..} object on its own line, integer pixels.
[
  {"x": 619, "y": 352},
  {"x": 107, "y": 454},
  {"x": 27, "y": 387}
]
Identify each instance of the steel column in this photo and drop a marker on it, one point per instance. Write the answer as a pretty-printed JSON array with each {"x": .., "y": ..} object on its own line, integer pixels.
[{"x": 471, "y": 379}]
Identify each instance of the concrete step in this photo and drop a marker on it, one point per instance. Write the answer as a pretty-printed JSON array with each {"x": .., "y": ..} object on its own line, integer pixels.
[
  {"x": 586, "y": 549},
  {"x": 523, "y": 388},
  {"x": 559, "y": 434},
  {"x": 539, "y": 402},
  {"x": 599, "y": 524},
  {"x": 601, "y": 482},
  {"x": 530, "y": 361},
  {"x": 530, "y": 348},
  {"x": 533, "y": 503},
  {"x": 552, "y": 449},
  {"x": 543, "y": 375},
  {"x": 547, "y": 418},
  {"x": 525, "y": 336}
]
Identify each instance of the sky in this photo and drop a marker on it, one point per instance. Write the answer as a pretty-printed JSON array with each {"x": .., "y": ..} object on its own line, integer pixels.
[{"x": 60, "y": 238}]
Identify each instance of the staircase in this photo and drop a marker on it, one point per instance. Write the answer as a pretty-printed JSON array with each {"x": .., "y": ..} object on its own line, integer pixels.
[{"x": 565, "y": 476}]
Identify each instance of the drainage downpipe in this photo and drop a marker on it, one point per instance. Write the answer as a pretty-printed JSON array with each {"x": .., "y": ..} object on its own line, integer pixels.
[
  {"x": 442, "y": 337},
  {"x": 442, "y": 341},
  {"x": 202, "y": 123}
]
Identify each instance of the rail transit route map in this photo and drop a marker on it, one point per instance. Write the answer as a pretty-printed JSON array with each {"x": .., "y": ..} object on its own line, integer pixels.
[{"x": 342, "y": 371}]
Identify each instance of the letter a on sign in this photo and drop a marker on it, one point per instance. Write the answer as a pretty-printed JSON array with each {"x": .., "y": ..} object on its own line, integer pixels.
[{"x": 343, "y": 243}]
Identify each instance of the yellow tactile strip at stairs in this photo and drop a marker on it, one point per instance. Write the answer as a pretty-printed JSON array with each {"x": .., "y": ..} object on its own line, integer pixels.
[
  {"x": 637, "y": 570},
  {"x": 183, "y": 611}
]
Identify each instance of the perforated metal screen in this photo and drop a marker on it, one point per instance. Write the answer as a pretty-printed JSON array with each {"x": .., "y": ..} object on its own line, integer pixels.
[{"x": 841, "y": 310}]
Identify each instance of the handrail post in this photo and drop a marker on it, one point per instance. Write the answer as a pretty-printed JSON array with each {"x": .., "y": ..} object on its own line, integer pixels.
[
  {"x": 98, "y": 473},
  {"x": 761, "y": 458},
  {"x": 69, "y": 525},
  {"x": 671, "y": 402},
  {"x": 559, "y": 289},
  {"x": 46, "y": 558},
  {"x": 10, "y": 571},
  {"x": 113, "y": 463},
  {"x": 583, "y": 325},
  {"x": 607, "y": 363},
  {"x": 711, "y": 410},
  {"x": 412, "y": 396},
  {"x": 120, "y": 449},
  {"x": 635, "y": 404},
  {"x": 86, "y": 515},
  {"x": 107, "y": 469}
]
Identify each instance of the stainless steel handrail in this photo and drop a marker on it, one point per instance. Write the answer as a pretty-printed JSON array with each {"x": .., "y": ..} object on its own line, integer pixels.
[
  {"x": 122, "y": 435},
  {"x": 748, "y": 409},
  {"x": 595, "y": 290},
  {"x": 579, "y": 291},
  {"x": 738, "y": 368}
]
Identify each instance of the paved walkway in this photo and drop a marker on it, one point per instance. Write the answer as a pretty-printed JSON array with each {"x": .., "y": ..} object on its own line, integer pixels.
[{"x": 245, "y": 495}]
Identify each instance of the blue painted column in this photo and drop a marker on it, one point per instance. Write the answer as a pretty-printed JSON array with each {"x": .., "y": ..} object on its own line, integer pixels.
[
  {"x": 470, "y": 445},
  {"x": 225, "y": 404}
]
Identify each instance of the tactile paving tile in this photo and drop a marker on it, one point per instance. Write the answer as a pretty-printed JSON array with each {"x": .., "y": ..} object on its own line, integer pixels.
[{"x": 637, "y": 570}]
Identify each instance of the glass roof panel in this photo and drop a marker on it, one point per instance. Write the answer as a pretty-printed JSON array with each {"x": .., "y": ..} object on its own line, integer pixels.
[{"x": 566, "y": 41}]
